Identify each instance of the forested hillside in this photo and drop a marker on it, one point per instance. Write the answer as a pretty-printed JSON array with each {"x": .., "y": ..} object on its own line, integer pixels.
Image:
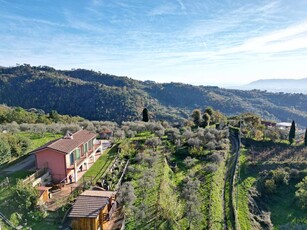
[{"x": 99, "y": 96}]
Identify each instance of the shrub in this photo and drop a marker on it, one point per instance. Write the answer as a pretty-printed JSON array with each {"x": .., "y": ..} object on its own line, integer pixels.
[
  {"x": 280, "y": 176},
  {"x": 189, "y": 162},
  {"x": 216, "y": 158},
  {"x": 294, "y": 173},
  {"x": 270, "y": 186},
  {"x": 210, "y": 168},
  {"x": 301, "y": 192}
]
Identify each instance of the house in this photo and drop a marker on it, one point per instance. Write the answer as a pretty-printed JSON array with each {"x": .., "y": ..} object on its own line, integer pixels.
[
  {"x": 106, "y": 134},
  {"x": 67, "y": 156},
  {"x": 284, "y": 125},
  {"x": 268, "y": 123},
  {"x": 92, "y": 210}
]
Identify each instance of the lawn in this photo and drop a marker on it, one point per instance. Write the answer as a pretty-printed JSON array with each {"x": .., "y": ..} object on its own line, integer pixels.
[
  {"x": 102, "y": 164},
  {"x": 37, "y": 140}
]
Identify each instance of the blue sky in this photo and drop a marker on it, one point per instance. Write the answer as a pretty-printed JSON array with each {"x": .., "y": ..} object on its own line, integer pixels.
[{"x": 206, "y": 42}]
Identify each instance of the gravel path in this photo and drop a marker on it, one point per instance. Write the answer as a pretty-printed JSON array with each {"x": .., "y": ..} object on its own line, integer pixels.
[{"x": 25, "y": 164}]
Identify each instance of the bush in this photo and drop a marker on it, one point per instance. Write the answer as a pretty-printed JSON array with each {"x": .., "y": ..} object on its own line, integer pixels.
[
  {"x": 27, "y": 194},
  {"x": 270, "y": 186},
  {"x": 294, "y": 173},
  {"x": 216, "y": 158},
  {"x": 280, "y": 176},
  {"x": 189, "y": 162},
  {"x": 301, "y": 192},
  {"x": 211, "y": 168}
]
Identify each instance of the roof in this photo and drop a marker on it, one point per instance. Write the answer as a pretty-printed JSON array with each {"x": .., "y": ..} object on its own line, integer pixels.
[
  {"x": 284, "y": 124},
  {"x": 90, "y": 203},
  {"x": 88, "y": 206},
  {"x": 98, "y": 193},
  {"x": 66, "y": 145},
  {"x": 43, "y": 188}
]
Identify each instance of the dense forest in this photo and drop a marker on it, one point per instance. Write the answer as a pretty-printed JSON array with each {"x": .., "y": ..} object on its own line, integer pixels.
[{"x": 98, "y": 96}]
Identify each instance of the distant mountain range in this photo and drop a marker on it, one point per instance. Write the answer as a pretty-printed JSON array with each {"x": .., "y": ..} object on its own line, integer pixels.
[
  {"x": 98, "y": 96},
  {"x": 279, "y": 85}
]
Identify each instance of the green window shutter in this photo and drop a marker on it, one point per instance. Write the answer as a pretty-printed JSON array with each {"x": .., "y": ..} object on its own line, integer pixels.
[
  {"x": 72, "y": 158},
  {"x": 77, "y": 153}
]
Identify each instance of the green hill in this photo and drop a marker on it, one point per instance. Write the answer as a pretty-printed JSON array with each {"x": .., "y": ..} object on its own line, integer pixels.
[{"x": 98, "y": 96}]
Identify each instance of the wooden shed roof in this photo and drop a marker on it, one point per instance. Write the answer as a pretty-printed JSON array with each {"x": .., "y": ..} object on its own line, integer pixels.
[
  {"x": 108, "y": 194},
  {"x": 88, "y": 206}
]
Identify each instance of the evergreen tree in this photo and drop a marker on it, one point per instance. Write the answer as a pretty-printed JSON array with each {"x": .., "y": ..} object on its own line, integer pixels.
[
  {"x": 306, "y": 137},
  {"x": 206, "y": 119},
  {"x": 145, "y": 115},
  {"x": 53, "y": 115},
  {"x": 209, "y": 110},
  {"x": 292, "y": 133},
  {"x": 196, "y": 116}
]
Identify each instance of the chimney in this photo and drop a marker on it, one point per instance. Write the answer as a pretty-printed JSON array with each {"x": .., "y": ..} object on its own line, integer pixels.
[{"x": 68, "y": 135}]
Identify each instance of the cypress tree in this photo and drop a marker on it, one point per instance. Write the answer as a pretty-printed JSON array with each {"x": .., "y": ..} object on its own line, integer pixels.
[
  {"x": 306, "y": 137},
  {"x": 292, "y": 133},
  {"x": 145, "y": 115}
]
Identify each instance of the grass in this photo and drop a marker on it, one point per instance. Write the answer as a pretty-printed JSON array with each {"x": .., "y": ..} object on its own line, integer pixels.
[
  {"x": 35, "y": 142},
  {"x": 7, "y": 193},
  {"x": 283, "y": 206},
  {"x": 217, "y": 215},
  {"x": 152, "y": 194},
  {"x": 246, "y": 182},
  {"x": 142, "y": 136},
  {"x": 102, "y": 164}
]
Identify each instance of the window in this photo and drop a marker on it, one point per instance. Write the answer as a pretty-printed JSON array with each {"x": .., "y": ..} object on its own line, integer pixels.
[
  {"x": 90, "y": 144},
  {"x": 85, "y": 147},
  {"x": 77, "y": 153},
  {"x": 72, "y": 159}
]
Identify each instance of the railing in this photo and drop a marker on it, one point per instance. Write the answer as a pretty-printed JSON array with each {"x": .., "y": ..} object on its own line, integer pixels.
[
  {"x": 35, "y": 175},
  {"x": 8, "y": 222},
  {"x": 122, "y": 176}
]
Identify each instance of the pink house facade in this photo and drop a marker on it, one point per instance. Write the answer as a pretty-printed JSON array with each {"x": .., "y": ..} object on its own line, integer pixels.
[{"x": 67, "y": 156}]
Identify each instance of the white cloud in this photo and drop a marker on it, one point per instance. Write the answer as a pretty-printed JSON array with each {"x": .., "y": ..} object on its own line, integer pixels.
[{"x": 291, "y": 38}]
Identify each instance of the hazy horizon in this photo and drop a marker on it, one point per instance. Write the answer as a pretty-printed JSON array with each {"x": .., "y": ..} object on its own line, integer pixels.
[{"x": 199, "y": 42}]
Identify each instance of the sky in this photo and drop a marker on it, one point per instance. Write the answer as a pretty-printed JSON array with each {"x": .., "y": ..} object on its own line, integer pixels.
[{"x": 224, "y": 43}]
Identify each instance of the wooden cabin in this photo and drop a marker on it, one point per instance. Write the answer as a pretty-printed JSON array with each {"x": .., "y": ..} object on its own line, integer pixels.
[{"x": 92, "y": 210}]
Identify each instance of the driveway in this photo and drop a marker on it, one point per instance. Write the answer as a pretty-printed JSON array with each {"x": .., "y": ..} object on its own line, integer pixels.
[{"x": 25, "y": 164}]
